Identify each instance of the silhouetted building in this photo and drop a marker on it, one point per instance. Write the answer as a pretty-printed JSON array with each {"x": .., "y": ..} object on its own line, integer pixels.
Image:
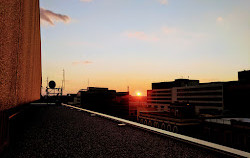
[
  {"x": 20, "y": 58},
  {"x": 207, "y": 98},
  {"x": 104, "y": 100},
  {"x": 181, "y": 118},
  {"x": 244, "y": 76},
  {"x": 182, "y": 110},
  {"x": 136, "y": 104},
  {"x": 202, "y": 96},
  {"x": 121, "y": 105},
  {"x": 232, "y": 132},
  {"x": 72, "y": 99},
  {"x": 176, "y": 83},
  {"x": 237, "y": 99}
]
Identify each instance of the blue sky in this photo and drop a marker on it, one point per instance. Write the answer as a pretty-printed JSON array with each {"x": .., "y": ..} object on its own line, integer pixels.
[{"x": 120, "y": 43}]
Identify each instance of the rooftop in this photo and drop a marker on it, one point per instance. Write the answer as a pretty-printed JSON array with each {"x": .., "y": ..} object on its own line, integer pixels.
[
  {"x": 228, "y": 121},
  {"x": 59, "y": 131}
]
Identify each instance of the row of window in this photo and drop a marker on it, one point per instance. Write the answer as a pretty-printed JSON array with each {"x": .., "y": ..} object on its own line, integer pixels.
[
  {"x": 165, "y": 91},
  {"x": 194, "y": 104},
  {"x": 156, "y": 106},
  {"x": 159, "y": 98},
  {"x": 200, "y": 99},
  {"x": 199, "y": 89},
  {"x": 208, "y": 104},
  {"x": 199, "y": 94},
  {"x": 156, "y": 94},
  {"x": 169, "y": 102}
]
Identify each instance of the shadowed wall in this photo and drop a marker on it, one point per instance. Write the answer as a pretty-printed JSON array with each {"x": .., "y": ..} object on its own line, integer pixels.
[{"x": 20, "y": 52}]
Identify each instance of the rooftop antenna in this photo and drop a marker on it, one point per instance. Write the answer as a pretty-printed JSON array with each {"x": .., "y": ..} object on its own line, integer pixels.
[
  {"x": 63, "y": 82},
  {"x": 63, "y": 79},
  {"x": 128, "y": 88},
  {"x": 47, "y": 82},
  {"x": 88, "y": 82}
]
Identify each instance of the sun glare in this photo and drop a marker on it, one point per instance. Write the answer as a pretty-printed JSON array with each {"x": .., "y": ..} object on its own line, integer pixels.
[{"x": 138, "y": 93}]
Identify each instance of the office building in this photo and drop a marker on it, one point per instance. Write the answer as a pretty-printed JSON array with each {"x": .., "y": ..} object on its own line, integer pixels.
[
  {"x": 104, "y": 100},
  {"x": 207, "y": 98}
]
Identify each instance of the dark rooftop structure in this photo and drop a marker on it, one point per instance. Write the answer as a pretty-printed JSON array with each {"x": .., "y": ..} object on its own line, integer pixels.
[
  {"x": 105, "y": 101},
  {"x": 244, "y": 76},
  {"x": 176, "y": 83}
]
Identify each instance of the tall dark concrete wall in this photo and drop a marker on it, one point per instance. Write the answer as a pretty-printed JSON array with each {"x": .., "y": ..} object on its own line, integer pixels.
[{"x": 20, "y": 52}]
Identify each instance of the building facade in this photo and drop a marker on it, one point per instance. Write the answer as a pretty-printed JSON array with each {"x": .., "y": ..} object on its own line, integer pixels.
[
  {"x": 207, "y": 98},
  {"x": 232, "y": 132},
  {"x": 20, "y": 58},
  {"x": 105, "y": 101}
]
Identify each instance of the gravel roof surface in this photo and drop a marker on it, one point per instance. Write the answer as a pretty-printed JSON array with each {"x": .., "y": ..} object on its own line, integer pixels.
[{"x": 56, "y": 131}]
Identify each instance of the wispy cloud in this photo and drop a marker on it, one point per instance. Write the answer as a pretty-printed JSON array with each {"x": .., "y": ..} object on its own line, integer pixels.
[
  {"x": 167, "y": 30},
  {"x": 49, "y": 17},
  {"x": 141, "y": 36},
  {"x": 219, "y": 19},
  {"x": 163, "y": 2},
  {"x": 181, "y": 33},
  {"x": 86, "y": 0},
  {"x": 81, "y": 62}
]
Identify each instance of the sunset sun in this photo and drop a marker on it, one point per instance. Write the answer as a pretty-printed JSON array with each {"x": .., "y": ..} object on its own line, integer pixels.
[{"x": 138, "y": 93}]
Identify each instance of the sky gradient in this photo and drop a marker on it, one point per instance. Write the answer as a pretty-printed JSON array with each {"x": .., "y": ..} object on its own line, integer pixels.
[{"x": 121, "y": 43}]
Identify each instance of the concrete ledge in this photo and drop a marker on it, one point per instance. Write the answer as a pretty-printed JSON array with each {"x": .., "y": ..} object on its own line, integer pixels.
[{"x": 201, "y": 143}]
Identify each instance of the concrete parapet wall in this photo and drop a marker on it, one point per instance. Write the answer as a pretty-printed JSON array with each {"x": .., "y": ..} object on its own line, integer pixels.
[{"x": 20, "y": 52}]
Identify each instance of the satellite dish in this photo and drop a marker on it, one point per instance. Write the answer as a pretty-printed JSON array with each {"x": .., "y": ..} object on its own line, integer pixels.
[{"x": 52, "y": 84}]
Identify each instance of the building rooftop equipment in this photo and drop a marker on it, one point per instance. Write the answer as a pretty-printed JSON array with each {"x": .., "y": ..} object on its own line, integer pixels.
[{"x": 176, "y": 83}]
